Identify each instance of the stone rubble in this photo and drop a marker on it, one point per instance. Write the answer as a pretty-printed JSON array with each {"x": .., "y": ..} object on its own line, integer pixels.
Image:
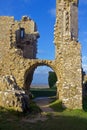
[{"x": 12, "y": 96}]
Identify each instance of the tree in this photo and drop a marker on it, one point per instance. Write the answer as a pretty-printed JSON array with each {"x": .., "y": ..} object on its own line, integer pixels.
[{"x": 52, "y": 78}]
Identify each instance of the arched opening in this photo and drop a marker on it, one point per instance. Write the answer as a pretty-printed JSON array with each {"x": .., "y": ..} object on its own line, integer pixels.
[
  {"x": 41, "y": 85},
  {"x": 40, "y": 77},
  {"x": 44, "y": 82}
]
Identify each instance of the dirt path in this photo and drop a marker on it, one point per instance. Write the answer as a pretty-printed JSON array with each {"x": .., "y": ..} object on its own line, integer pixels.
[{"x": 43, "y": 103}]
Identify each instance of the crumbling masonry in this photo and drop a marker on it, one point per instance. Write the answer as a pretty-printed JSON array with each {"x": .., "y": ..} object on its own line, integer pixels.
[{"x": 18, "y": 47}]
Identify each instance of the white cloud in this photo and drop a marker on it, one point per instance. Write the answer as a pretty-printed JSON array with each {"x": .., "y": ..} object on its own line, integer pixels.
[
  {"x": 42, "y": 70},
  {"x": 84, "y": 63},
  {"x": 84, "y": 59},
  {"x": 84, "y": 67}
]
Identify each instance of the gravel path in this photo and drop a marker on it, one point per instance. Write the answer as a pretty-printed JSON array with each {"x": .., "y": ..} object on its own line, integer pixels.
[{"x": 43, "y": 103}]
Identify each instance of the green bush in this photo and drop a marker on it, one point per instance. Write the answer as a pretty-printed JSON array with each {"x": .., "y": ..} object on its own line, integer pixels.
[{"x": 52, "y": 78}]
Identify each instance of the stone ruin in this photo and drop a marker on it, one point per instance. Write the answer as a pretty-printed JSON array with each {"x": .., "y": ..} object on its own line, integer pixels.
[
  {"x": 18, "y": 42},
  {"x": 12, "y": 96},
  {"x": 18, "y": 48}
]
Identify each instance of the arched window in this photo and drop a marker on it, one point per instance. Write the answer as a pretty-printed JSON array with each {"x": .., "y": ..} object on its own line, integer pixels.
[{"x": 22, "y": 33}]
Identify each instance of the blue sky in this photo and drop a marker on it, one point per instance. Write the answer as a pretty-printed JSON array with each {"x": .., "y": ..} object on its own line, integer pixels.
[
  {"x": 83, "y": 31},
  {"x": 43, "y": 13}
]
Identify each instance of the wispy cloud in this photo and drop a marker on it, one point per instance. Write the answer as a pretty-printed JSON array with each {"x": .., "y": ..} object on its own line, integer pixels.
[
  {"x": 84, "y": 63},
  {"x": 41, "y": 51},
  {"x": 52, "y": 12},
  {"x": 83, "y": 1},
  {"x": 84, "y": 67},
  {"x": 85, "y": 40},
  {"x": 43, "y": 70},
  {"x": 84, "y": 59}
]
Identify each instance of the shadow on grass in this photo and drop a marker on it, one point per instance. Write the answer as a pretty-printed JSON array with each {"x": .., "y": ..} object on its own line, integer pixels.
[
  {"x": 56, "y": 105},
  {"x": 10, "y": 112},
  {"x": 47, "y": 92},
  {"x": 63, "y": 119},
  {"x": 67, "y": 123},
  {"x": 85, "y": 103},
  {"x": 68, "y": 120}
]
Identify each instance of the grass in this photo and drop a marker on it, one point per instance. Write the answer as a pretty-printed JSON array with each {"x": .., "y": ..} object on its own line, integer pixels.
[
  {"x": 62, "y": 119},
  {"x": 34, "y": 108},
  {"x": 43, "y": 92},
  {"x": 65, "y": 120},
  {"x": 56, "y": 105}
]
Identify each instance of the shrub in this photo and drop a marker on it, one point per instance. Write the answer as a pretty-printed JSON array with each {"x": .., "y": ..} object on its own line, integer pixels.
[{"x": 52, "y": 78}]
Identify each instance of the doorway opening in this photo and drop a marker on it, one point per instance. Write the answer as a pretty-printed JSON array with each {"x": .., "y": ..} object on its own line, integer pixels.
[
  {"x": 41, "y": 80},
  {"x": 44, "y": 82}
]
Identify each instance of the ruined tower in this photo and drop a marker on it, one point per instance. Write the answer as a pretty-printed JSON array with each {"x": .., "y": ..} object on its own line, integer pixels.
[
  {"x": 66, "y": 27},
  {"x": 68, "y": 53},
  {"x": 18, "y": 45}
]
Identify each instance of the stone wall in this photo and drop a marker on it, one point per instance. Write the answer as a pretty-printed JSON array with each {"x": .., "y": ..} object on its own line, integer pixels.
[
  {"x": 12, "y": 96},
  {"x": 68, "y": 54},
  {"x": 70, "y": 75},
  {"x": 16, "y": 52}
]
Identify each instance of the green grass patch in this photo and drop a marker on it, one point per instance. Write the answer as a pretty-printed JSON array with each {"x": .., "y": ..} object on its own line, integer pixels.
[
  {"x": 34, "y": 108},
  {"x": 56, "y": 105},
  {"x": 65, "y": 120},
  {"x": 43, "y": 92},
  {"x": 62, "y": 119}
]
